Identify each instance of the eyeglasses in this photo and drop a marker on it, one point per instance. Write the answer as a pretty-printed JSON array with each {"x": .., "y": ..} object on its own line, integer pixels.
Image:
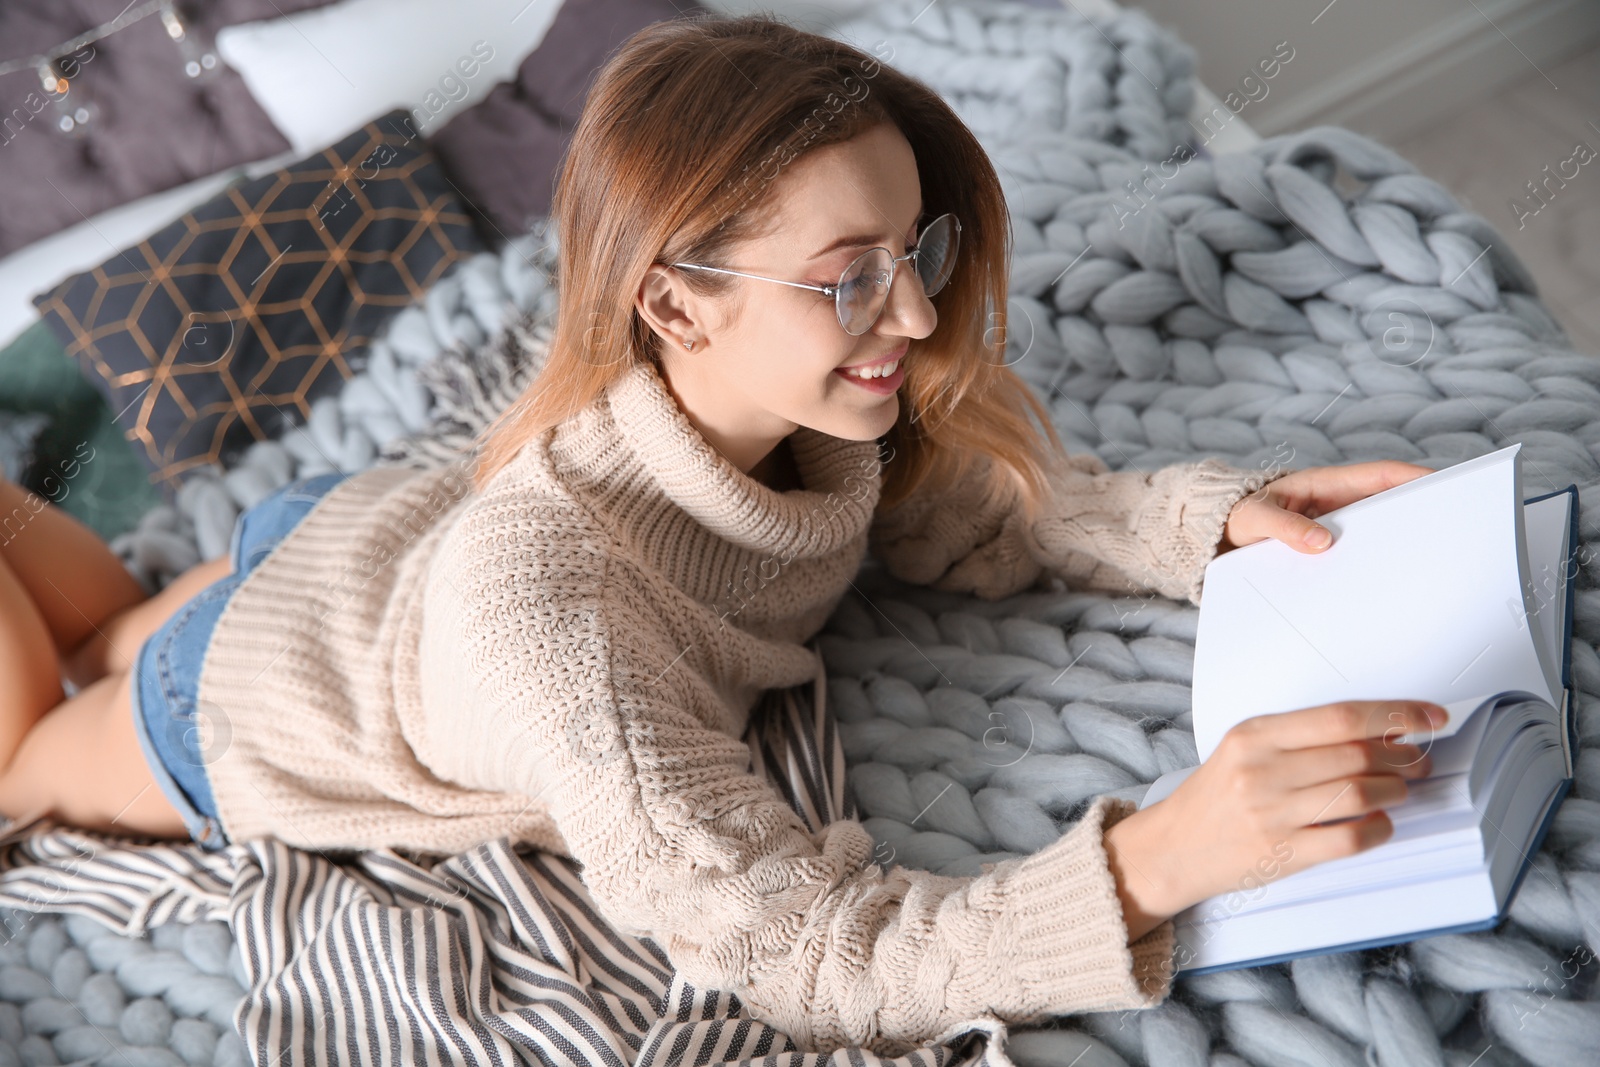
[{"x": 864, "y": 286}]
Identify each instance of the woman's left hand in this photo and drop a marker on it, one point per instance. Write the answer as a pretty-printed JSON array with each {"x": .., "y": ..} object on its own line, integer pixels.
[{"x": 1285, "y": 508}]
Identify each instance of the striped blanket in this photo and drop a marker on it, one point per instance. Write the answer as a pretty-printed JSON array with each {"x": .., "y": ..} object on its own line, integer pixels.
[{"x": 489, "y": 957}]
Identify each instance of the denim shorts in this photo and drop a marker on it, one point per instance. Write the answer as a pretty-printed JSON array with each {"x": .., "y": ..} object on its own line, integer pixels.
[{"x": 177, "y": 738}]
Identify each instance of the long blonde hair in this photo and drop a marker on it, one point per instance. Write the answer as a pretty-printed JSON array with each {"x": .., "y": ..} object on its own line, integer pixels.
[{"x": 672, "y": 160}]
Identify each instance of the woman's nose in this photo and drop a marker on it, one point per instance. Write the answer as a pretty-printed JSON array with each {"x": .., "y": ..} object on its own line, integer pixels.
[{"x": 912, "y": 310}]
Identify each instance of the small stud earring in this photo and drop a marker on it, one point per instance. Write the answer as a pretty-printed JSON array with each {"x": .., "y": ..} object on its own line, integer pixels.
[{"x": 689, "y": 345}]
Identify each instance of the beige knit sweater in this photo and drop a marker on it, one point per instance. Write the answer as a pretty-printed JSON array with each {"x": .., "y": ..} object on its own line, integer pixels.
[{"x": 569, "y": 658}]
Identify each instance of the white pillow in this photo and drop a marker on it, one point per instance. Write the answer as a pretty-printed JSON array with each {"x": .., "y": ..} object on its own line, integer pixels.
[{"x": 321, "y": 73}]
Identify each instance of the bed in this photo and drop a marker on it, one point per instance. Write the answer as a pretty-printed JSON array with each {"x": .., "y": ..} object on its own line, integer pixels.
[{"x": 1308, "y": 295}]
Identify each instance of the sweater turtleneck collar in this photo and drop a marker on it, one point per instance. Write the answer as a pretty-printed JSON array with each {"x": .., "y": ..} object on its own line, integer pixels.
[{"x": 841, "y": 478}]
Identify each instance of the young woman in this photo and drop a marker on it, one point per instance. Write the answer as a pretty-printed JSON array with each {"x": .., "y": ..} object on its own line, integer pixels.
[{"x": 782, "y": 267}]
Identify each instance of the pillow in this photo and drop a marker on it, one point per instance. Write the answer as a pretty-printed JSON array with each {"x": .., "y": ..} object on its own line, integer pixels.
[
  {"x": 504, "y": 152},
  {"x": 148, "y": 125},
  {"x": 220, "y": 329},
  {"x": 557, "y": 76},
  {"x": 81, "y": 461},
  {"x": 504, "y": 156}
]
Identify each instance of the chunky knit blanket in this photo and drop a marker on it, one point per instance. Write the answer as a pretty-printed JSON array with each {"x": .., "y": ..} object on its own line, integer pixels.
[{"x": 1311, "y": 301}]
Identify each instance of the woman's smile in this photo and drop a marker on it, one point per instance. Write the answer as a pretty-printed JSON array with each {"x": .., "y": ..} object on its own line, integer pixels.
[{"x": 882, "y": 376}]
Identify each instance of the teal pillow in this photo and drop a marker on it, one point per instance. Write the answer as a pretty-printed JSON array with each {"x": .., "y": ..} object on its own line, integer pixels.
[{"x": 82, "y": 462}]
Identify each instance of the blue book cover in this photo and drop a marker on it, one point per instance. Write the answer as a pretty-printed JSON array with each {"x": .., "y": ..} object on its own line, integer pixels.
[{"x": 1191, "y": 934}]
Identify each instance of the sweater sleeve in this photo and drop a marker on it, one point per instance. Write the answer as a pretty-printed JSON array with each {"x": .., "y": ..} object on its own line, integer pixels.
[
  {"x": 1116, "y": 532},
  {"x": 582, "y": 692}
]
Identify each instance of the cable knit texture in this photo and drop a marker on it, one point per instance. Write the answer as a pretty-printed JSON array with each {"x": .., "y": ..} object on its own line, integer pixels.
[{"x": 569, "y": 658}]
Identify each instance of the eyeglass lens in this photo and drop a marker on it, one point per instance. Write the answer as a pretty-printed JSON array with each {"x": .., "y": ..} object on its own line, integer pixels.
[{"x": 864, "y": 287}]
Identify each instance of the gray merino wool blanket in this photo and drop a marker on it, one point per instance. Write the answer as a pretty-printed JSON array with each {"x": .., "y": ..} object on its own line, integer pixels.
[{"x": 1311, "y": 301}]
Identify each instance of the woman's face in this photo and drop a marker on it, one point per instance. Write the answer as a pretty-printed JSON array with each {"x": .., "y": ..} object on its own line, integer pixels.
[{"x": 753, "y": 377}]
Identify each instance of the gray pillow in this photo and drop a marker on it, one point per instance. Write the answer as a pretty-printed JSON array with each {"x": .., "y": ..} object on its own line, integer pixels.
[
  {"x": 156, "y": 128},
  {"x": 504, "y": 153}
]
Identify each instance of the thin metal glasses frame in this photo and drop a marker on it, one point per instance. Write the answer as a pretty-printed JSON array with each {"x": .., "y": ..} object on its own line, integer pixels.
[{"x": 834, "y": 290}]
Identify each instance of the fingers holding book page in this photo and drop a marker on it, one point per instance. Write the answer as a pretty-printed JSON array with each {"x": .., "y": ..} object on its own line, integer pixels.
[{"x": 1281, "y": 792}]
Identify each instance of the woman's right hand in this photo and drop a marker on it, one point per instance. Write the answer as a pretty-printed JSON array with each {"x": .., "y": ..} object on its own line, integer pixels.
[{"x": 1257, "y": 809}]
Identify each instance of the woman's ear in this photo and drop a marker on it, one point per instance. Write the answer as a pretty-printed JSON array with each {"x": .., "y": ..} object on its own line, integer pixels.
[{"x": 665, "y": 306}]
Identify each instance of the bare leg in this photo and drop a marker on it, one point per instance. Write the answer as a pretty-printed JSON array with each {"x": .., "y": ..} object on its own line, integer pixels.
[
  {"x": 83, "y": 763},
  {"x": 111, "y": 648},
  {"x": 78, "y": 758},
  {"x": 30, "y": 674},
  {"x": 69, "y": 572}
]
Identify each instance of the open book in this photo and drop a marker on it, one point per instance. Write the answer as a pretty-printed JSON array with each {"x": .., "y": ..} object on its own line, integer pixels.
[{"x": 1450, "y": 588}]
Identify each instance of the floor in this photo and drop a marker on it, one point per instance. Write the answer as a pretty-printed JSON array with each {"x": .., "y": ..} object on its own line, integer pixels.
[{"x": 1489, "y": 151}]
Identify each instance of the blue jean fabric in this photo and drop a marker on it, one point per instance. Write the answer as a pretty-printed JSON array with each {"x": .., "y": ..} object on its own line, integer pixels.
[{"x": 178, "y": 740}]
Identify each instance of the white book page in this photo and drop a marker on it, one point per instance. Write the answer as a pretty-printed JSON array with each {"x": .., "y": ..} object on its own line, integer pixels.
[{"x": 1422, "y": 596}]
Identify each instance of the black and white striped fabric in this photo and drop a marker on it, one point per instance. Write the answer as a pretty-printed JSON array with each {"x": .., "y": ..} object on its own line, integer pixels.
[{"x": 493, "y": 956}]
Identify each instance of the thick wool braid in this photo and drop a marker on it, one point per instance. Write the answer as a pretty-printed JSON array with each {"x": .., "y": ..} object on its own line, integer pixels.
[
  {"x": 1010, "y": 68},
  {"x": 1251, "y": 311},
  {"x": 74, "y": 991},
  {"x": 1247, "y": 310}
]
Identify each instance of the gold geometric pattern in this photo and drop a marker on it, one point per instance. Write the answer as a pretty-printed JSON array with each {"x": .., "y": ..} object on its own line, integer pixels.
[{"x": 221, "y": 328}]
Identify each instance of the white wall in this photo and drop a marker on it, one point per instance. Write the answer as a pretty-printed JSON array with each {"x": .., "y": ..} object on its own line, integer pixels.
[
  {"x": 1383, "y": 68},
  {"x": 805, "y": 13}
]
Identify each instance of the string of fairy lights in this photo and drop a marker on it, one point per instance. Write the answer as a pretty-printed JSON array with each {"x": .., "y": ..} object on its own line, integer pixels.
[{"x": 59, "y": 68}]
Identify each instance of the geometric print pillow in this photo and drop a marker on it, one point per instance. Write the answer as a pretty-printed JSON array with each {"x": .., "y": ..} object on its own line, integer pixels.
[{"x": 221, "y": 328}]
